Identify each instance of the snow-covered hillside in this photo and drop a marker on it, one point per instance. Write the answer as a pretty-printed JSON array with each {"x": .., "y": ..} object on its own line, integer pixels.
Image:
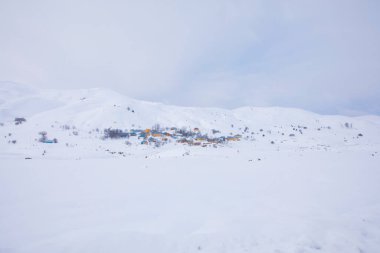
[
  {"x": 105, "y": 108},
  {"x": 89, "y": 112},
  {"x": 292, "y": 181}
]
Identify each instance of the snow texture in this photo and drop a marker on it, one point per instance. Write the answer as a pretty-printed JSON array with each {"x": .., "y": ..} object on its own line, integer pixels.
[{"x": 296, "y": 182}]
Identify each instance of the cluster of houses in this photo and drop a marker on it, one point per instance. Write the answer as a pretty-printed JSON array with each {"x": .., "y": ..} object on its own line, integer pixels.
[{"x": 158, "y": 136}]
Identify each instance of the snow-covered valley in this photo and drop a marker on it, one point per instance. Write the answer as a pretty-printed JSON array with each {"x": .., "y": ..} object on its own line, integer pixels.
[{"x": 294, "y": 181}]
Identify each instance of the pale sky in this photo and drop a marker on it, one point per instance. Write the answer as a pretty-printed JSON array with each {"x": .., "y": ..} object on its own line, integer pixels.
[{"x": 321, "y": 55}]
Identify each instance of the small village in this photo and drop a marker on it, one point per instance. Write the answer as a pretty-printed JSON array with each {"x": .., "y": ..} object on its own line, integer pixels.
[{"x": 158, "y": 136}]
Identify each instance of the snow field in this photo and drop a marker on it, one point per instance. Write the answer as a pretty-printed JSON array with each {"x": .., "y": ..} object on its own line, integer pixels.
[{"x": 311, "y": 201}]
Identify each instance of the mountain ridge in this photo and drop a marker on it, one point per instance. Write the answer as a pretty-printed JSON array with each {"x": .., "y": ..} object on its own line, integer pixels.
[{"x": 104, "y": 108}]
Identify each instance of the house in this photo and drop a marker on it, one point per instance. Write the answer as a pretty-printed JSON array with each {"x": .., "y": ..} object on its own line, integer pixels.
[
  {"x": 49, "y": 141},
  {"x": 184, "y": 140},
  {"x": 135, "y": 132},
  {"x": 221, "y": 139},
  {"x": 142, "y": 135},
  {"x": 171, "y": 131}
]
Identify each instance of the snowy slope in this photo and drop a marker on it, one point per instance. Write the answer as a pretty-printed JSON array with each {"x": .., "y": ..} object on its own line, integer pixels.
[
  {"x": 88, "y": 111},
  {"x": 226, "y": 201},
  {"x": 296, "y": 182},
  {"x": 104, "y": 108}
]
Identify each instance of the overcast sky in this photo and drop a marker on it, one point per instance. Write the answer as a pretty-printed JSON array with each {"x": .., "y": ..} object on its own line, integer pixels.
[{"x": 320, "y": 55}]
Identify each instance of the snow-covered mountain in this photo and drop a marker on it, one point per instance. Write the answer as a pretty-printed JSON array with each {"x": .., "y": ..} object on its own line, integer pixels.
[
  {"x": 89, "y": 108},
  {"x": 78, "y": 118},
  {"x": 295, "y": 181}
]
